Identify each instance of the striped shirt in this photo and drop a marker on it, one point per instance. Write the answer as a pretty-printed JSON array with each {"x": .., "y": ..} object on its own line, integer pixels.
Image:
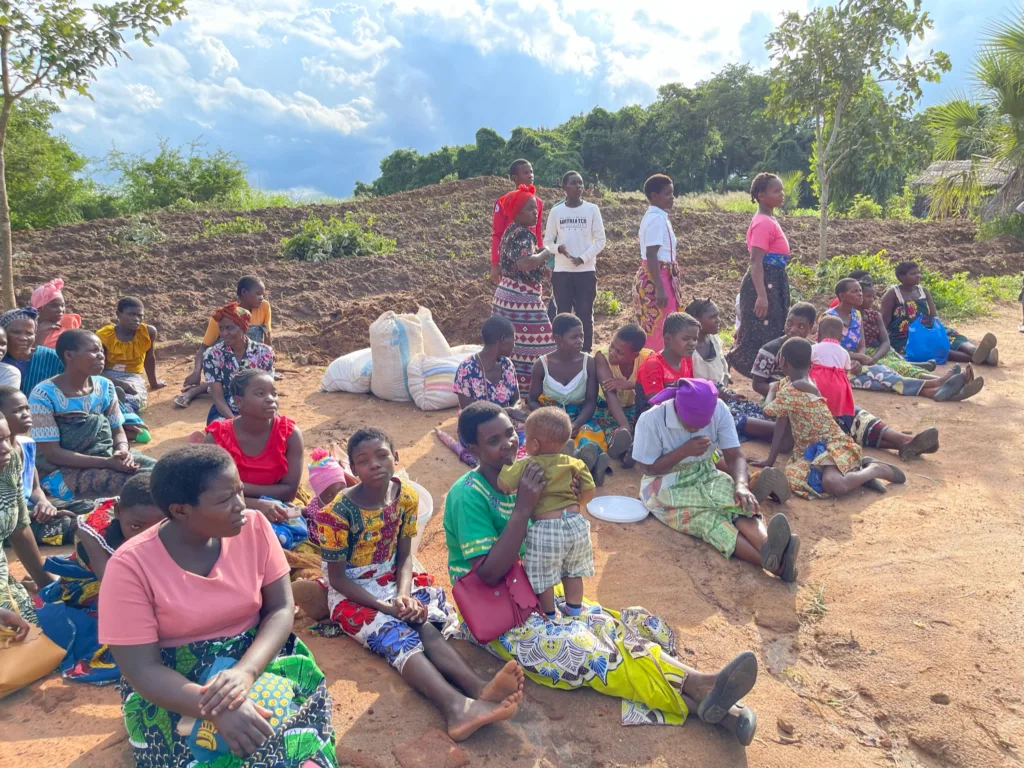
[{"x": 474, "y": 516}]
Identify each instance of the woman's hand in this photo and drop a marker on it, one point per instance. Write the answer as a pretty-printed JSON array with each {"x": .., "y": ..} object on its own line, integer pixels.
[
  {"x": 410, "y": 610},
  {"x": 244, "y": 729},
  {"x": 855, "y": 368},
  {"x": 696, "y": 446},
  {"x": 745, "y": 499},
  {"x": 13, "y": 621},
  {"x": 44, "y": 511},
  {"x": 225, "y": 691},
  {"x": 122, "y": 461},
  {"x": 531, "y": 485},
  {"x": 127, "y": 387},
  {"x": 192, "y": 381},
  {"x": 761, "y": 307},
  {"x": 274, "y": 511},
  {"x": 760, "y": 463},
  {"x": 611, "y": 386},
  {"x": 661, "y": 298}
]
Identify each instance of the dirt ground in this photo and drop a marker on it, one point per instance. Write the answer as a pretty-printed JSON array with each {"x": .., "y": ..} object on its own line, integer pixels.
[{"x": 915, "y": 660}]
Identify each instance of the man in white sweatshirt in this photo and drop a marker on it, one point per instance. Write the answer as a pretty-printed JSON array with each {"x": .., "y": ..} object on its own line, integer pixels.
[{"x": 576, "y": 228}]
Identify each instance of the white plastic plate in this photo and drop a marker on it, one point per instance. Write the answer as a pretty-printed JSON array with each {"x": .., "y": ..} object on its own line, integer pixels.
[{"x": 617, "y": 509}]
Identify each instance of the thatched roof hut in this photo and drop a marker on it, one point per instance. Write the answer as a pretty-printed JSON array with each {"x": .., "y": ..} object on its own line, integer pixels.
[{"x": 991, "y": 174}]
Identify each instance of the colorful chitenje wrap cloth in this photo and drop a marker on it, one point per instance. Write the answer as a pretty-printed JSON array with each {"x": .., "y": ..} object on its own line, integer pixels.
[
  {"x": 872, "y": 320},
  {"x": 754, "y": 332},
  {"x": 646, "y": 312},
  {"x": 878, "y": 377},
  {"x": 904, "y": 312},
  {"x": 305, "y": 735},
  {"x": 631, "y": 654}
]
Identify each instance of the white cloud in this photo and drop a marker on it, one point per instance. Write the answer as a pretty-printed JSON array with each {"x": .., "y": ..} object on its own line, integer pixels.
[
  {"x": 144, "y": 97},
  {"x": 214, "y": 50},
  {"x": 320, "y": 68}
]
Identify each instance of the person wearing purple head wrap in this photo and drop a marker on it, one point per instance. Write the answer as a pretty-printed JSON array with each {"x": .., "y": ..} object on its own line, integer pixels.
[{"x": 675, "y": 446}]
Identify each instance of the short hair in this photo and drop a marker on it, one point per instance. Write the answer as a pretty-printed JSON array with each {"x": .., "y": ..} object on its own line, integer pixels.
[
  {"x": 797, "y": 352},
  {"x": 678, "y": 321},
  {"x": 844, "y": 285},
  {"x": 475, "y": 414},
  {"x": 904, "y": 267},
  {"x": 760, "y": 184},
  {"x": 699, "y": 307},
  {"x": 495, "y": 328},
  {"x": 137, "y": 492},
  {"x": 249, "y": 283},
  {"x": 365, "y": 435},
  {"x": 633, "y": 335},
  {"x": 516, "y": 165},
  {"x": 181, "y": 476},
  {"x": 71, "y": 341},
  {"x": 549, "y": 425},
  {"x": 129, "y": 302},
  {"x": 6, "y": 392},
  {"x": 564, "y": 323},
  {"x": 569, "y": 174},
  {"x": 655, "y": 184},
  {"x": 862, "y": 276},
  {"x": 830, "y": 327},
  {"x": 241, "y": 380},
  {"x": 804, "y": 310}
]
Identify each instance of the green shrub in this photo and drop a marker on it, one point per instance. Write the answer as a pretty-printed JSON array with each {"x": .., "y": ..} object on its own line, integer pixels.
[
  {"x": 137, "y": 234},
  {"x": 792, "y": 183},
  {"x": 863, "y": 207},
  {"x": 336, "y": 238},
  {"x": 237, "y": 226},
  {"x": 606, "y": 304},
  {"x": 1004, "y": 225},
  {"x": 901, "y": 205},
  {"x": 835, "y": 269}
]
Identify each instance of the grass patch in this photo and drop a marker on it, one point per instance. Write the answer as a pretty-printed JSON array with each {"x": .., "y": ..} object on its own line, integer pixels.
[
  {"x": 1012, "y": 225},
  {"x": 320, "y": 240},
  {"x": 815, "y": 607},
  {"x": 136, "y": 235},
  {"x": 607, "y": 304},
  {"x": 240, "y": 225}
]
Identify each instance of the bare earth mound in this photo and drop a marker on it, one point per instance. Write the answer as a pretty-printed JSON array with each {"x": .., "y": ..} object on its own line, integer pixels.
[{"x": 899, "y": 646}]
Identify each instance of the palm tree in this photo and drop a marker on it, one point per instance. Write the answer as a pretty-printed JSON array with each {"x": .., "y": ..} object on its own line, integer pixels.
[{"x": 988, "y": 130}]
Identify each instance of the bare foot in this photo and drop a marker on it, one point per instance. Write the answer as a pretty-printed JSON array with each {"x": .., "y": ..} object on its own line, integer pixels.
[
  {"x": 509, "y": 680},
  {"x": 197, "y": 438},
  {"x": 481, "y": 713}
]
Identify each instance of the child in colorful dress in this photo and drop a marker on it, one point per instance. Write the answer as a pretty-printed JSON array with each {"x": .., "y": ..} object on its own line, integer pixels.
[
  {"x": 366, "y": 540},
  {"x": 825, "y": 460},
  {"x": 830, "y": 364},
  {"x": 558, "y": 548},
  {"x": 129, "y": 346}
]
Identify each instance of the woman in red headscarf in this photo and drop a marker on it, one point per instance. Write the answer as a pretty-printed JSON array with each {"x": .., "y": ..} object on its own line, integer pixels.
[
  {"x": 233, "y": 352},
  {"x": 519, "y": 294}
]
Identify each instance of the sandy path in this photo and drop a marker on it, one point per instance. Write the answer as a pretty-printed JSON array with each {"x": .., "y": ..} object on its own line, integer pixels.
[{"x": 915, "y": 663}]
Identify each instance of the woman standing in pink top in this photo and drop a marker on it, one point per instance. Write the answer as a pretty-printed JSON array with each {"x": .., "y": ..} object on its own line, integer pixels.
[
  {"x": 764, "y": 294},
  {"x": 198, "y": 613}
]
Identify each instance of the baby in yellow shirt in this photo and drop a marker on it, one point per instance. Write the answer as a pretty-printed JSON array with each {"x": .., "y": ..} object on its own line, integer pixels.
[{"x": 558, "y": 545}]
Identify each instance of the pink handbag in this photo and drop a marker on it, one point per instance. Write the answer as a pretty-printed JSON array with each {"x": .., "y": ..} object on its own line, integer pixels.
[{"x": 491, "y": 611}]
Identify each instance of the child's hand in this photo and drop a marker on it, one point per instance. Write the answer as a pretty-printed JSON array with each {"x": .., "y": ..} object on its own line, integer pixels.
[
  {"x": 227, "y": 690},
  {"x": 13, "y": 621}
]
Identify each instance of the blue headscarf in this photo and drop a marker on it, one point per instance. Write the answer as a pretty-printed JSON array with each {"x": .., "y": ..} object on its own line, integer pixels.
[{"x": 20, "y": 313}]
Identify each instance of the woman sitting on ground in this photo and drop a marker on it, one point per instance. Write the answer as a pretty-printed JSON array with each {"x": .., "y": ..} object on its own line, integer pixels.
[
  {"x": 617, "y": 366},
  {"x": 631, "y": 655},
  {"x": 376, "y": 598},
  {"x": 130, "y": 349},
  {"x": 567, "y": 379},
  {"x": 490, "y": 374},
  {"x": 78, "y": 426},
  {"x": 48, "y": 301},
  {"x": 233, "y": 352},
  {"x": 34, "y": 362},
  {"x": 265, "y": 446},
  {"x": 198, "y": 613},
  {"x": 675, "y": 446},
  {"x": 52, "y": 524},
  {"x": 876, "y": 336}
]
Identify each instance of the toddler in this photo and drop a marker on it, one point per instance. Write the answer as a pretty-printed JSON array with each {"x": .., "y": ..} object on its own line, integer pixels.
[
  {"x": 558, "y": 541},
  {"x": 830, "y": 364}
]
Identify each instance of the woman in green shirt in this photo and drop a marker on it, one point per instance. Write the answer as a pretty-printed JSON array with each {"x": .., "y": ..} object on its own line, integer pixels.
[{"x": 630, "y": 654}]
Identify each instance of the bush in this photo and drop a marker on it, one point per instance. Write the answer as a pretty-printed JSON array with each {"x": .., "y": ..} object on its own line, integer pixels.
[
  {"x": 901, "y": 205},
  {"x": 606, "y": 304},
  {"x": 336, "y": 238},
  {"x": 1012, "y": 225},
  {"x": 237, "y": 226},
  {"x": 863, "y": 207},
  {"x": 137, "y": 234}
]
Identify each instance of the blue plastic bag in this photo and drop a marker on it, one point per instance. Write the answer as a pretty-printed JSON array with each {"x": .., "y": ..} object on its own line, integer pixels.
[{"x": 927, "y": 343}]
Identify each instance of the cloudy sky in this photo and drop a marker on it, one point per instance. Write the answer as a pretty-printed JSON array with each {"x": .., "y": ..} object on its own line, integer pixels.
[{"x": 312, "y": 94}]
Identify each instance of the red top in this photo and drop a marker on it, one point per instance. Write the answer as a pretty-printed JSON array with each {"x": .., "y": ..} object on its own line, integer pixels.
[
  {"x": 271, "y": 465},
  {"x": 503, "y": 222},
  {"x": 655, "y": 373}
]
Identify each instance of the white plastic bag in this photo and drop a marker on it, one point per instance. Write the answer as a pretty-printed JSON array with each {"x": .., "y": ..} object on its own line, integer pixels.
[
  {"x": 431, "y": 379},
  {"x": 349, "y": 373},
  {"x": 434, "y": 342},
  {"x": 394, "y": 341}
]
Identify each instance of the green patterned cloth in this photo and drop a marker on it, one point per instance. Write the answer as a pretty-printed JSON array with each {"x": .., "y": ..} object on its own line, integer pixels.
[
  {"x": 13, "y": 515},
  {"x": 305, "y": 736},
  {"x": 697, "y": 499},
  {"x": 892, "y": 360}
]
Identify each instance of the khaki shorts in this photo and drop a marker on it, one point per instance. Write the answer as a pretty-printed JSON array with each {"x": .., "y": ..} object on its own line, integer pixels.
[{"x": 558, "y": 549}]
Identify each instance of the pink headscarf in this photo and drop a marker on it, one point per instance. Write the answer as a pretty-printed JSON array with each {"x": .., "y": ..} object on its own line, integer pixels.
[
  {"x": 44, "y": 294},
  {"x": 325, "y": 471},
  {"x": 695, "y": 401}
]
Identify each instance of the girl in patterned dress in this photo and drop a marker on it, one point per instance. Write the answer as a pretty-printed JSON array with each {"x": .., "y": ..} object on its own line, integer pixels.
[
  {"x": 825, "y": 461},
  {"x": 366, "y": 541}
]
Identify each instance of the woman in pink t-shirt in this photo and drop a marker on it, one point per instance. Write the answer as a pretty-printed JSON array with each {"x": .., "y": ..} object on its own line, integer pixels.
[
  {"x": 764, "y": 294},
  {"x": 198, "y": 613}
]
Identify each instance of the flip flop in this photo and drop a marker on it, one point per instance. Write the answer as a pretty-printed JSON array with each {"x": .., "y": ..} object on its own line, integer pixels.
[
  {"x": 898, "y": 478},
  {"x": 746, "y": 726},
  {"x": 775, "y": 545},
  {"x": 927, "y": 366},
  {"x": 180, "y": 401},
  {"x": 789, "y": 569},
  {"x": 621, "y": 442},
  {"x": 985, "y": 346},
  {"x": 972, "y": 388},
  {"x": 628, "y": 462},
  {"x": 771, "y": 482},
  {"x": 569, "y": 449},
  {"x": 923, "y": 442},
  {"x": 734, "y": 682},
  {"x": 600, "y": 470},
  {"x": 953, "y": 385},
  {"x": 993, "y": 357},
  {"x": 876, "y": 485},
  {"x": 589, "y": 455}
]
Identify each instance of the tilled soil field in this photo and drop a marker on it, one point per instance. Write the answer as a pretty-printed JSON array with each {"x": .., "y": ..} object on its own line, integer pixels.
[{"x": 442, "y": 232}]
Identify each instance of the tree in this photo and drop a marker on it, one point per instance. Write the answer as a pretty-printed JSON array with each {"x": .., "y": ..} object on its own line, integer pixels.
[
  {"x": 734, "y": 101},
  {"x": 56, "y": 46},
  {"x": 821, "y": 61}
]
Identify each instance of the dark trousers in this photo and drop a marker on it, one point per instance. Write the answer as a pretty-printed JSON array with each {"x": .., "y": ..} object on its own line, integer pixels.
[{"x": 575, "y": 292}]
